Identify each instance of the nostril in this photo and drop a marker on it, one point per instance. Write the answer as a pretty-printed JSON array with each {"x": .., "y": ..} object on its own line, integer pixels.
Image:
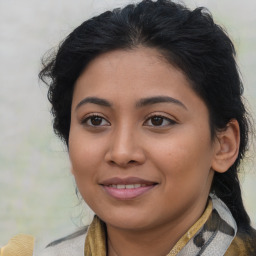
[
  {"x": 125, "y": 163},
  {"x": 112, "y": 162},
  {"x": 124, "y": 157}
]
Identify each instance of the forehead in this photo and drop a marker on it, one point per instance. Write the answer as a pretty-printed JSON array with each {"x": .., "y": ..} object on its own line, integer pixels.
[{"x": 130, "y": 71}]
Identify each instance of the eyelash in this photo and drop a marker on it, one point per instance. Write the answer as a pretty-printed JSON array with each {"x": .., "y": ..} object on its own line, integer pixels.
[
  {"x": 161, "y": 118},
  {"x": 90, "y": 117}
]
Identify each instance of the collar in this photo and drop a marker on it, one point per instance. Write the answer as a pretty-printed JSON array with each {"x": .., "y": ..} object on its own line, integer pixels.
[{"x": 212, "y": 234}]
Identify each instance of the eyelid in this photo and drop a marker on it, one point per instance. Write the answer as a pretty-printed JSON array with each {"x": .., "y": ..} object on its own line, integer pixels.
[
  {"x": 171, "y": 121},
  {"x": 85, "y": 118}
]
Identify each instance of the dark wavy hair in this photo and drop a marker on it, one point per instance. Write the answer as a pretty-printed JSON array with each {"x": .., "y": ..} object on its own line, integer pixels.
[{"x": 189, "y": 40}]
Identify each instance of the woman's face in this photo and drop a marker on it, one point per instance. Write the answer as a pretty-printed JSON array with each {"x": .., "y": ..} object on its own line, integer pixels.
[{"x": 140, "y": 143}]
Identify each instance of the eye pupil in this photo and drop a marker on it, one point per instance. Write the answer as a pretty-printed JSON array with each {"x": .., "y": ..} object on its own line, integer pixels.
[
  {"x": 96, "y": 120},
  {"x": 157, "y": 120}
]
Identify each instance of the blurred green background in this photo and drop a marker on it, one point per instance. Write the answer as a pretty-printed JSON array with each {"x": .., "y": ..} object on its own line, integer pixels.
[{"x": 37, "y": 191}]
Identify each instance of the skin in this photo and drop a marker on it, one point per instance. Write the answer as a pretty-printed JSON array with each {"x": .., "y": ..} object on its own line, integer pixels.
[{"x": 177, "y": 155}]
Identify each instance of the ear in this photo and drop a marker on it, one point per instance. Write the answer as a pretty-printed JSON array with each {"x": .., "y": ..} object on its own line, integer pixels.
[{"x": 226, "y": 147}]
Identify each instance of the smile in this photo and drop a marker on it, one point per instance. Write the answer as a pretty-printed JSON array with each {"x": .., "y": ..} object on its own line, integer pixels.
[
  {"x": 127, "y": 189},
  {"x": 128, "y": 186}
]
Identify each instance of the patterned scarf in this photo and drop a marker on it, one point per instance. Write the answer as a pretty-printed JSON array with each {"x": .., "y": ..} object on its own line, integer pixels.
[{"x": 211, "y": 235}]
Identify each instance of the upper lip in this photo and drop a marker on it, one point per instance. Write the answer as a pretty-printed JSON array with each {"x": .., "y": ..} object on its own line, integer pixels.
[{"x": 126, "y": 181}]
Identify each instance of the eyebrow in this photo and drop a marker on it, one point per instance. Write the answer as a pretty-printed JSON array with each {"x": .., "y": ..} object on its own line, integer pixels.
[
  {"x": 159, "y": 99},
  {"x": 94, "y": 100},
  {"x": 141, "y": 103}
]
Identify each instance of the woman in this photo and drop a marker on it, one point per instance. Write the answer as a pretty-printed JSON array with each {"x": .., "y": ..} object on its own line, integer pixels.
[{"x": 148, "y": 100}]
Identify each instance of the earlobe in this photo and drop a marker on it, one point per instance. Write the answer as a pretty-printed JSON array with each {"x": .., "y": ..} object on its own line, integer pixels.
[{"x": 227, "y": 147}]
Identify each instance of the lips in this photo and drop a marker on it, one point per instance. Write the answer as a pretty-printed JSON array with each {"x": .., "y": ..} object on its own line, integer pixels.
[{"x": 127, "y": 188}]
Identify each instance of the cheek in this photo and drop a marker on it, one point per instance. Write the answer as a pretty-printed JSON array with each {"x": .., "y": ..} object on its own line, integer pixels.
[
  {"x": 85, "y": 161},
  {"x": 184, "y": 156},
  {"x": 84, "y": 150},
  {"x": 83, "y": 169},
  {"x": 82, "y": 156},
  {"x": 185, "y": 170}
]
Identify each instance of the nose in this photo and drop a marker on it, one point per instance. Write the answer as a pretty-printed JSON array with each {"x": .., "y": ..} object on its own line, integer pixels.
[{"x": 125, "y": 149}]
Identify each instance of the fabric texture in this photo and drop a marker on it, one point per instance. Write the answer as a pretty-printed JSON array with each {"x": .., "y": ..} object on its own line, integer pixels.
[
  {"x": 96, "y": 236},
  {"x": 192, "y": 231},
  {"x": 215, "y": 233},
  {"x": 211, "y": 235},
  {"x": 72, "y": 245},
  {"x": 243, "y": 245},
  {"x": 20, "y": 245}
]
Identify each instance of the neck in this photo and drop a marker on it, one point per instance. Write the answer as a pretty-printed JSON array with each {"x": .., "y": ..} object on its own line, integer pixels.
[
  {"x": 151, "y": 242},
  {"x": 123, "y": 243}
]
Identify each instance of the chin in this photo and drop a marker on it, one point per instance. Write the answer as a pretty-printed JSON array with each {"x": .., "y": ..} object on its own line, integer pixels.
[{"x": 129, "y": 221}]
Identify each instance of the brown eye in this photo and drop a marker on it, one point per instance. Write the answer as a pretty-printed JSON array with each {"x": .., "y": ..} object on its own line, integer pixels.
[
  {"x": 95, "y": 121},
  {"x": 159, "y": 121}
]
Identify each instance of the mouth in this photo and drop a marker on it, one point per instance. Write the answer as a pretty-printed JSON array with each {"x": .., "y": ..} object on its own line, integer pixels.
[{"x": 128, "y": 188}]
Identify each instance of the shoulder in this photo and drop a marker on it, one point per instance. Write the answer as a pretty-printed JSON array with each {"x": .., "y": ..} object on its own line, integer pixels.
[
  {"x": 71, "y": 245},
  {"x": 244, "y": 243},
  {"x": 19, "y": 245}
]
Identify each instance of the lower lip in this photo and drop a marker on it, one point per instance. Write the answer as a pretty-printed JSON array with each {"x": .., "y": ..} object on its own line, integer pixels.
[{"x": 126, "y": 194}]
